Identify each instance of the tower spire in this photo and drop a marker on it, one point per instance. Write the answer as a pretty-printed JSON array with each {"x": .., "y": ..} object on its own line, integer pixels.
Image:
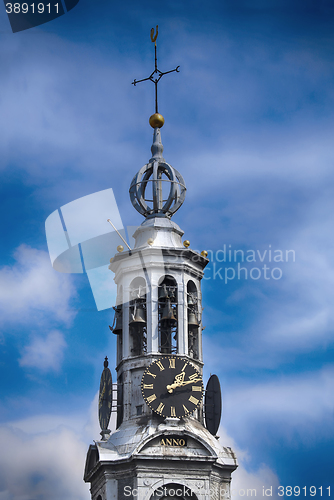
[
  {"x": 165, "y": 183},
  {"x": 161, "y": 441},
  {"x": 155, "y": 77}
]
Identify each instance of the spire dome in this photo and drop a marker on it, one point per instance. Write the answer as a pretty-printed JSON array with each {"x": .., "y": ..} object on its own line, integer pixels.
[{"x": 158, "y": 189}]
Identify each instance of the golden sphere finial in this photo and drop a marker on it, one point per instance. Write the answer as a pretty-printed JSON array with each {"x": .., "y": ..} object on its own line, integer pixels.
[
  {"x": 150, "y": 241},
  {"x": 120, "y": 248},
  {"x": 186, "y": 243},
  {"x": 156, "y": 120},
  {"x": 204, "y": 253}
]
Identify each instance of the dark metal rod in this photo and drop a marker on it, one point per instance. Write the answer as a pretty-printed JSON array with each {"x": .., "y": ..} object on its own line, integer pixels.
[
  {"x": 138, "y": 81},
  {"x": 156, "y": 97},
  {"x": 156, "y": 83},
  {"x": 156, "y": 71},
  {"x": 171, "y": 71},
  {"x": 155, "y": 53}
]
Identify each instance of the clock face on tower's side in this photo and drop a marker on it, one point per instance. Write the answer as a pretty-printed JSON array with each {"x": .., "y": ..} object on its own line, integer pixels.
[
  {"x": 172, "y": 387},
  {"x": 105, "y": 398}
]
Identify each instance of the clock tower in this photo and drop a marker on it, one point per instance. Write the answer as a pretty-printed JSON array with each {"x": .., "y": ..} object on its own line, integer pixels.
[{"x": 165, "y": 444}]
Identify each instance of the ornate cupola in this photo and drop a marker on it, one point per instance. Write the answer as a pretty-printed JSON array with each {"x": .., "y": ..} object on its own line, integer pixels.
[
  {"x": 158, "y": 282},
  {"x": 162, "y": 438}
]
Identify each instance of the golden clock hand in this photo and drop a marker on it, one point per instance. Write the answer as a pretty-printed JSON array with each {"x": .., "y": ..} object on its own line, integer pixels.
[
  {"x": 178, "y": 380},
  {"x": 191, "y": 381},
  {"x": 176, "y": 384}
]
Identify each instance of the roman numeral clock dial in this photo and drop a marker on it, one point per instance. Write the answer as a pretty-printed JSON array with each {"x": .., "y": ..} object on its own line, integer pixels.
[{"x": 172, "y": 387}]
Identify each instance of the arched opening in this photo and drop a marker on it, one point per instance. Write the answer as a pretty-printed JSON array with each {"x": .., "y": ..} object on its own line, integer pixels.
[
  {"x": 193, "y": 320},
  {"x": 137, "y": 317},
  {"x": 173, "y": 491},
  {"x": 167, "y": 310}
]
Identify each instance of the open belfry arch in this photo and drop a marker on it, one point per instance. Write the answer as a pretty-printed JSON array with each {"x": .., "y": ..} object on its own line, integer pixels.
[{"x": 165, "y": 444}]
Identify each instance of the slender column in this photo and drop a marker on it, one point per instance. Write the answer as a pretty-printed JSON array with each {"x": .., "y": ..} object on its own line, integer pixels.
[
  {"x": 200, "y": 349},
  {"x": 155, "y": 317},
  {"x": 182, "y": 318},
  {"x": 126, "y": 340},
  {"x": 149, "y": 314}
]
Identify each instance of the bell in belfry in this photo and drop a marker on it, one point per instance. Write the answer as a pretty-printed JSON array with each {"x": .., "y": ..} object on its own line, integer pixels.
[
  {"x": 168, "y": 313},
  {"x": 163, "y": 294},
  {"x": 192, "y": 320},
  {"x": 117, "y": 330},
  {"x": 191, "y": 301},
  {"x": 139, "y": 316}
]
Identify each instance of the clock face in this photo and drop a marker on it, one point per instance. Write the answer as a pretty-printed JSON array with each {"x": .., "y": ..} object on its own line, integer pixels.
[
  {"x": 105, "y": 399},
  {"x": 172, "y": 387}
]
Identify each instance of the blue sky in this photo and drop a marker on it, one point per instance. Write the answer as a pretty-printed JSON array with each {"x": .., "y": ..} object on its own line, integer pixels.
[{"x": 249, "y": 124}]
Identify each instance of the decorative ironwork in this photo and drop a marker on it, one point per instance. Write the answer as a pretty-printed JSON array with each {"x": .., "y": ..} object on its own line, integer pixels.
[
  {"x": 158, "y": 189},
  {"x": 153, "y": 203},
  {"x": 156, "y": 75}
]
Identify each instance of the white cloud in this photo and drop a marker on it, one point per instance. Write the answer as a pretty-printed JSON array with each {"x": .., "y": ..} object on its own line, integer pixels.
[
  {"x": 85, "y": 422},
  {"x": 296, "y": 405},
  {"x": 46, "y": 423},
  {"x": 291, "y": 316},
  {"x": 244, "y": 479},
  {"x": 31, "y": 288},
  {"x": 50, "y": 114},
  {"x": 45, "y": 455},
  {"x": 245, "y": 484},
  {"x": 302, "y": 160},
  {"x": 301, "y": 317},
  {"x": 308, "y": 320},
  {"x": 46, "y": 353},
  {"x": 91, "y": 428},
  {"x": 45, "y": 458},
  {"x": 45, "y": 466}
]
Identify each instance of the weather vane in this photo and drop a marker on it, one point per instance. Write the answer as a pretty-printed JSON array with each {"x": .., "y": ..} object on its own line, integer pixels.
[{"x": 156, "y": 75}]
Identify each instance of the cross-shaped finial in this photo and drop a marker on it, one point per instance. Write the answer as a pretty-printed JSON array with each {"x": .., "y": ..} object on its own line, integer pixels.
[{"x": 156, "y": 75}]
